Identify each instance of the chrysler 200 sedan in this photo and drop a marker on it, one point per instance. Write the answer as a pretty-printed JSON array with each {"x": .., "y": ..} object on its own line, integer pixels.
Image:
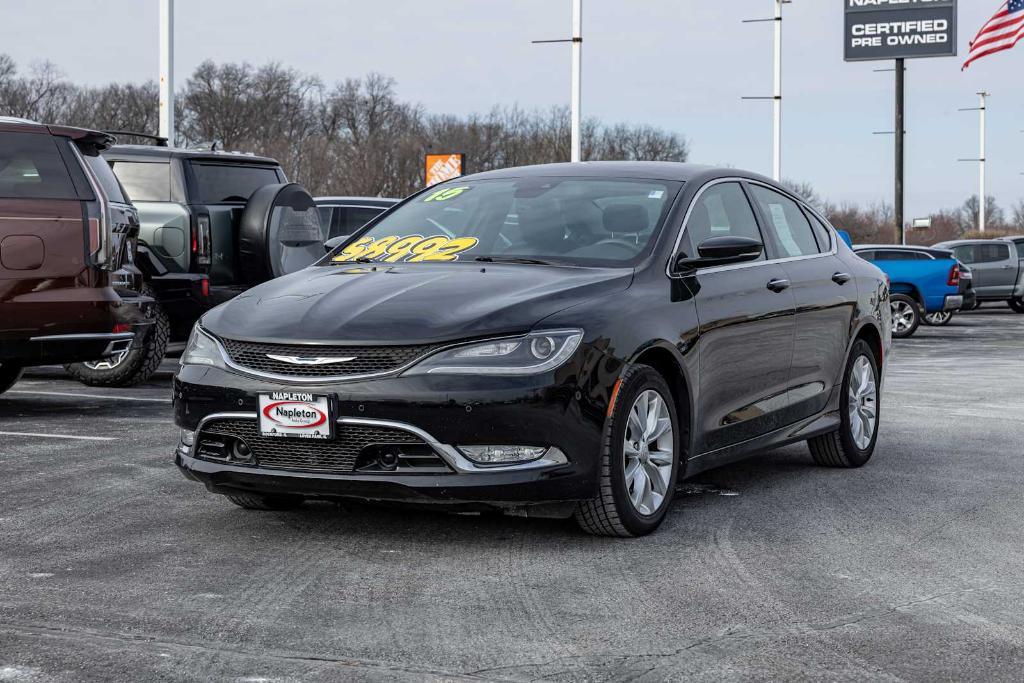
[{"x": 567, "y": 339}]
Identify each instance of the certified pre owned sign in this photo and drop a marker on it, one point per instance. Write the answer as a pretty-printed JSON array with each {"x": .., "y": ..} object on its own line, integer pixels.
[{"x": 895, "y": 29}]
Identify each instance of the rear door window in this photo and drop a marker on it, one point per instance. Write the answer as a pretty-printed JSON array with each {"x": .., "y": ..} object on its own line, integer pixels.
[
  {"x": 821, "y": 233},
  {"x": 991, "y": 253},
  {"x": 105, "y": 177},
  {"x": 31, "y": 167},
  {"x": 230, "y": 183},
  {"x": 144, "y": 181},
  {"x": 793, "y": 232}
]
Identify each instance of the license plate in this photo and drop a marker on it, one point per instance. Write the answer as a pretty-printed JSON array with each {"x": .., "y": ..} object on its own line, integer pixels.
[{"x": 296, "y": 415}]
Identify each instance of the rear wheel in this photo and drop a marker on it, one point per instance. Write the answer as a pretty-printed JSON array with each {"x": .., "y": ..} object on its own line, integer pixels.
[
  {"x": 939, "y": 319},
  {"x": 9, "y": 376},
  {"x": 854, "y": 442},
  {"x": 906, "y": 315},
  {"x": 1017, "y": 304},
  {"x": 129, "y": 368},
  {"x": 256, "y": 501},
  {"x": 639, "y": 461}
]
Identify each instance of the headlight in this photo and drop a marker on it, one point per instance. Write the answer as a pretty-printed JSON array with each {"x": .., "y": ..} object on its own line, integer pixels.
[
  {"x": 530, "y": 355},
  {"x": 202, "y": 349}
]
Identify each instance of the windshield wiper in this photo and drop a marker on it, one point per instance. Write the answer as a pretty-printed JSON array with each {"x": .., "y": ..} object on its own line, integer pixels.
[{"x": 512, "y": 259}]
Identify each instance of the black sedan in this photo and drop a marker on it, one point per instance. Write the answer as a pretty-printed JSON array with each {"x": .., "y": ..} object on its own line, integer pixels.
[{"x": 552, "y": 340}]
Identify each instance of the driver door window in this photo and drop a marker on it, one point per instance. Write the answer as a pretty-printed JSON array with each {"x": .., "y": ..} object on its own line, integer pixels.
[{"x": 722, "y": 210}]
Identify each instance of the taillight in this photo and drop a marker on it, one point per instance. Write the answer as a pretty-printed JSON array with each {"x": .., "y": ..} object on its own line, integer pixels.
[
  {"x": 95, "y": 237},
  {"x": 201, "y": 246},
  {"x": 954, "y": 276},
  {"x": 122, "y": 327},
  {"x": 204, "y": 286}
]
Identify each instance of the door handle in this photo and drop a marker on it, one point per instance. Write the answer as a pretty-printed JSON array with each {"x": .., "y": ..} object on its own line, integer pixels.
[
  {"x": 778, "y": 285},
  {"x": 841, "y": 278}
]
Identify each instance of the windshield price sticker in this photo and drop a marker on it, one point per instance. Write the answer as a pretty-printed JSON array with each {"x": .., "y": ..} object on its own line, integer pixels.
[
  {"x": 410, "y": 249},
  {"x": 446, "y": 194}
]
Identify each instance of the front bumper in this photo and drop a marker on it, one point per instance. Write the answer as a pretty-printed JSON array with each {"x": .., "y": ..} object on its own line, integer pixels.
[{"x": 441, "y": 412}]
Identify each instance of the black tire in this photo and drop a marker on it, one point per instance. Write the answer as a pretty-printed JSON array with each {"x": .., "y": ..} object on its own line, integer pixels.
[
  {"x": 910, "y": 312},
  {"x": 838, "y": 449},
  {"x": 9, "y": 376},
  {"x": 611, "y": 513},
  {"x": 137, "y": 365},
  {"x": 1017, "y": 304},
  {"x": 256, "y": 501},
  {"x": 938, "y": 319}
]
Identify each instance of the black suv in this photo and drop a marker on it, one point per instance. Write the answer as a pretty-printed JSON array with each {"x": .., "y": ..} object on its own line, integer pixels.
[{"x": 213, "y": 224}]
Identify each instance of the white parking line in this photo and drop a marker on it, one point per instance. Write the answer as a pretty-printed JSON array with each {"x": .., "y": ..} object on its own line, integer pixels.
[
  {"x": 59, "y": 436},
  {"x": 104, "y": 396}
]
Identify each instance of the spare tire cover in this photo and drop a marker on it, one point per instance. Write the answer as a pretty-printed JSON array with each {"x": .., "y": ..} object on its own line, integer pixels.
[{"x": 280, "y": 233}]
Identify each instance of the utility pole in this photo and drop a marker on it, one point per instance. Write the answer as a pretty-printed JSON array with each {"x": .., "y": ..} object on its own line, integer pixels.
[
  {"x": 577, "y": 76},
  {"x": 576, "y": 95},
  {"x": 776, "y": 97},
  {"x": 981, "y": 109},
  {"x": 167, "y": 70}
]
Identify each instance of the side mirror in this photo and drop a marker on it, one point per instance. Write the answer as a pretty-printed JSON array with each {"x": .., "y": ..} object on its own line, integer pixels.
[
  {"x": 721, "y": 251},
  {"x": 334, "y": 242}
]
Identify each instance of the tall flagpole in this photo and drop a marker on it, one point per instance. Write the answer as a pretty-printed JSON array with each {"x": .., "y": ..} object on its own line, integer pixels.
[
  {"x": 167, "y": 70},
  {"x": 982, "y": 198},
  {"x": 777, "y": 98}
]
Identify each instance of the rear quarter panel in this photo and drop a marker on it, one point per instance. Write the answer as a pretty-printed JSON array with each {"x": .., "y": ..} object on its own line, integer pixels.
[{"x": 166, "y": 227}]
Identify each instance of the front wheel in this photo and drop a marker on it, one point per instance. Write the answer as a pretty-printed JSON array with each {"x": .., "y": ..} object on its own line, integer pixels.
[
  {"x": 1017, "y": 304},
  {"x": 9, "y": 376},
  {"x": 906, "y": 316},
  {"x": 854, "y": 442},
  {"x": 939, "y": 319},
  {"x": 639, "y": 460}
]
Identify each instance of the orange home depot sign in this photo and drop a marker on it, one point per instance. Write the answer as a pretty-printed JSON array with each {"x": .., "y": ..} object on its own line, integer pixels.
[{"x": 441, "y": 167}]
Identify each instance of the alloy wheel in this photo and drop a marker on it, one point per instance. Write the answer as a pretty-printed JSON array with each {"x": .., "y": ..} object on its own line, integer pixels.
[
  {"x": 940, "y": 318},
  {"x": 649, "y": 452},
  {"x": 902, "y": 316},
  {"x": 107, "y": 363},
  {"x": 863, "y": 402}
]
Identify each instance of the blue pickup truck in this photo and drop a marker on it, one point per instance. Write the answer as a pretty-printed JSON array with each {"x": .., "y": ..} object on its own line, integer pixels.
[{"x": 924, "y": 282}]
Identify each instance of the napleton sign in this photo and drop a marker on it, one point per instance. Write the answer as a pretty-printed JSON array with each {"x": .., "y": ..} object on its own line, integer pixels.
[
  {"x": 442, "y": 167},
  {"x": 899, "y": 29}
]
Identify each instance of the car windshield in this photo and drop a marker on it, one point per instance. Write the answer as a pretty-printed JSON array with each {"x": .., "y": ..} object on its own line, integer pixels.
[{"x": 575, "y": 221}]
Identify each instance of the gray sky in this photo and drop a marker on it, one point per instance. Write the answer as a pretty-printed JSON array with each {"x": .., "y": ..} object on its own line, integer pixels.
[{"x": 678, "y": 64}]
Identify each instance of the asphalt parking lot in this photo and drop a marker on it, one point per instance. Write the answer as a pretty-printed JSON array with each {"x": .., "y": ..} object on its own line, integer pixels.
[{"x": 114, "y": 567}]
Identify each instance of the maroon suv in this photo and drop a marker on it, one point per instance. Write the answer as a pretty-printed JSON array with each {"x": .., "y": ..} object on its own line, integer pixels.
[{"x": 67, "y": 240}]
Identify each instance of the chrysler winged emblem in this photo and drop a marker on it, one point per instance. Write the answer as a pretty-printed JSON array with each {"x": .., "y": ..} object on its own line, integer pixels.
[{"x": 310, "y": 360}]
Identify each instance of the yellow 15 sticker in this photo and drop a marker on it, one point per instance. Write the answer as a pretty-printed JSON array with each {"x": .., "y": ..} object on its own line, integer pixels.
[
  {"x": 412, "y": 248},
  {"x": 446, "y": 194}
]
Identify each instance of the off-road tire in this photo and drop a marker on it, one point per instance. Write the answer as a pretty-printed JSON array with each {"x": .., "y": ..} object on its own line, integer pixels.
[
  {"x": 610, "y": 513},
  {"x": 9, "y": 376},
  {"x": 256, "y": 501},
  {"x": 1017, "y": 304},
  {"x": 837, "y": 449},
  {"x": 139, "y": 365},
  {"x": 916, "y": 320}
]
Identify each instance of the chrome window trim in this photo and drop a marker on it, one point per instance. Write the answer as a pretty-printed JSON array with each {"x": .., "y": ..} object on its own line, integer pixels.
[
  {"x": 751, "y": 264},
  {"x": 450, "y": 454}
]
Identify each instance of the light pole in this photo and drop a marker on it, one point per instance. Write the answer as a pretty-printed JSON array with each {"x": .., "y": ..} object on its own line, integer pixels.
[
  {"x": 776, "y": 97},
  {"x": 576, "y": 94},
  {"x": 167, "y": 70},
  {"x": 981, "y": 109}
]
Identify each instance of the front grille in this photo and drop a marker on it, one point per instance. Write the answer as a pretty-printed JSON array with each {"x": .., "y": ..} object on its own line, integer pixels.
[
  {"x": 366, "y": 360},
  {"x": 217, "y": 438}
]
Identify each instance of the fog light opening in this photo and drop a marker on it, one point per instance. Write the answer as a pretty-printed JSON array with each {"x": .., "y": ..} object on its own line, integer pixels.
[
  {"x": 240, "y": 451},
  {"x": 503, "y": 455},
  {"x": 188, "y": 437}
]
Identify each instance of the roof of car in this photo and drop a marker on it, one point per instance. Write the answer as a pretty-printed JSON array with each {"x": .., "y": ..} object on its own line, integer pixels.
[
  {"x": 90, "y": 137},
  {"x": 154, "y": 152},
  {"x": 358, "y": 201},
  {"x": 649, "y": 170},
  {"x": 956, "y": 243},
  {"x": 932, "y": 251}
]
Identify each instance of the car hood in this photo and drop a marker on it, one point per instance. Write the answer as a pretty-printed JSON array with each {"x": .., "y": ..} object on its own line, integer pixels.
[{"x": 408, "y": 304}]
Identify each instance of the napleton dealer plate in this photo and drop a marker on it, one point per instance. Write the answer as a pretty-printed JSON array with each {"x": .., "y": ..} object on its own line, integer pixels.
[{"x": 296, "y": 415}]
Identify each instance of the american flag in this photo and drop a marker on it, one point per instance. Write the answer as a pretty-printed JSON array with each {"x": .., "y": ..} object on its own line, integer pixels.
[{"x": 1002, "y": 31}]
